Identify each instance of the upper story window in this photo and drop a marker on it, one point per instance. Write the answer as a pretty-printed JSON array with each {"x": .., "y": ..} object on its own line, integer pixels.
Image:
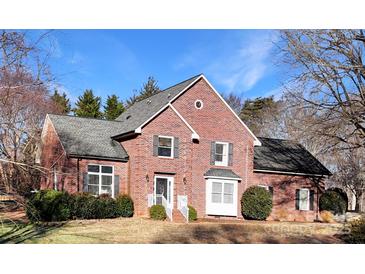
[
  {"x": 198, "y": 104},
  {"x": 165, "y": 146},
  {"x": 100, "y": 179},
  {"x": 221, "y": 154}
]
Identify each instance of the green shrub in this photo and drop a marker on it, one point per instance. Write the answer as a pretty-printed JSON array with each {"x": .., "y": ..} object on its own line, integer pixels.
[
  {"x": 357, "y": 232},
  {"x": 157, "y": 212},
  {"x": 105, "y": 207},
  {"x": 87, "y": 206},
  {"x": 332, "y": 201},
  {"x": 82, "y": 206},
  {"x": 48, "y": 205},
  {"x": 256, "y": 203},
  {"x": 193, "y": 216},
  {"x": 125, "y": 207}
]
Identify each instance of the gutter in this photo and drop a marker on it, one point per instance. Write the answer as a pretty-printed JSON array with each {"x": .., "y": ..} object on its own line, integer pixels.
[
  {"x": 98, "y": 158},
  {"x": 291, "y": 173}
]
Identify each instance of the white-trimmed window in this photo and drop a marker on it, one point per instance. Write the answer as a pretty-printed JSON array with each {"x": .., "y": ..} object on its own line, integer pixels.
[
  {"x": 221, "y": 154},
  {"x": 304, "y": 199},
  {"x": 263, "y": 186},
  {"x": 165, "y": 147},
  {"x": 222, "y": 193},
  {"x": 100, "y": 179}
]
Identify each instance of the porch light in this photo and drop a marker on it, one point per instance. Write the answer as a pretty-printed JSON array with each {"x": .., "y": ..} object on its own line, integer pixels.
[
  {"x": 184, "y": 180},
  {"x": 147, "y": 178}
]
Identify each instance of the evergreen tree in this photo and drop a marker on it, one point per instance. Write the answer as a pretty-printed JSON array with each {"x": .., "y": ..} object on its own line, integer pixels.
[
  {"x": 255, "y": 112},
  {"x": 62, "y": 102},
  {"x": 148, "y": 89},
  {"x": 113, "y": 107},
  {"x": 88, "y": 105}
]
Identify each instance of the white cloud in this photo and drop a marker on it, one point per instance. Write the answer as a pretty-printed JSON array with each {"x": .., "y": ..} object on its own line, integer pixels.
[
  {"x": 246, "y": 65},
  {"x": 238, "y": 65}
]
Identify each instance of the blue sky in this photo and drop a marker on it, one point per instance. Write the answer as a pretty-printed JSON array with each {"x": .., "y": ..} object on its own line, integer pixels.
[{"x": 119, "y": 61}]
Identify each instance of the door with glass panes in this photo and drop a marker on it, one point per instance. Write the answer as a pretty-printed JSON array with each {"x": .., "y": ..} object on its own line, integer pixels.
[{"x": 163, "y": 191}]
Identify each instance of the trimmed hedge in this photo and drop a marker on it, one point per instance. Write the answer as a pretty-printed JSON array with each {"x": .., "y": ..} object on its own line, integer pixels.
[
  {"x": 256, "y": 203},
  {"x": 333, "y": 201},
  {"x": 51, "y": 205},
  {"x": 193, "y": 216},
  {"x": 157, "y": 212},
  {"x": 125, "y": 206}
]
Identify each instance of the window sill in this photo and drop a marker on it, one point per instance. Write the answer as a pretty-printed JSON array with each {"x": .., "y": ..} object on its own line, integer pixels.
[{"x": 165, "y": 157}]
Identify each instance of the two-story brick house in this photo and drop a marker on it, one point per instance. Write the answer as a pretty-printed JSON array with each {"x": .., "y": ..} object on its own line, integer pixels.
[{"x": 184, "y": 145}]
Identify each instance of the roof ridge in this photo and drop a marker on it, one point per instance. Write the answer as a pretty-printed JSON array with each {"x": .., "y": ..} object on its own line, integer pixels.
[
  {"x": 79, "y": 117},
  {"x": 196, "y": 76}
]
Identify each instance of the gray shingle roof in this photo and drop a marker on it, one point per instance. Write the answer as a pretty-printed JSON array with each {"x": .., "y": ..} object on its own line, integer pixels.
[
  {"x": 221, "y": 172},
  {"x": 88, "y": 137},
  {"x": 141, "y": 111},
  {"x": 286, "y": 156}
]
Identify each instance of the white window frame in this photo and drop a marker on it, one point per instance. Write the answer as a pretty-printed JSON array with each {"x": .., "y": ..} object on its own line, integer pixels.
[
  {"x": 100, "y": 174},
  {"x": 172, "y": 146},
  {"x": 221, "y": 209},
  {"x": 225, "y": 155},
  {"x": 308, "y": 199},
  {"x": 264, "y": 186},
  {"x": 201, "y": 104}
]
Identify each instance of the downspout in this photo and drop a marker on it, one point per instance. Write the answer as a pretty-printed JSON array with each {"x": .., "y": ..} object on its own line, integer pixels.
[{"x": 78, "y": 174}]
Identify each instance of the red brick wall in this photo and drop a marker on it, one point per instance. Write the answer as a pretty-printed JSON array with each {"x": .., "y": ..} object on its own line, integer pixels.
[
  {"x": 284, "y": 195},
  {"x": 143, "y": 164},
  {"x": 66, "y": 168}
]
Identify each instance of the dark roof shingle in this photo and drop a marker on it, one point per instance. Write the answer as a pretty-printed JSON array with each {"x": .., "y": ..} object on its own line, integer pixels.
[
  {"x": 286, "y": 156},
  {"x": 141, "y": 111},
  {"x": 221, "y": 172},
  {"x": 88, "y": 137}
]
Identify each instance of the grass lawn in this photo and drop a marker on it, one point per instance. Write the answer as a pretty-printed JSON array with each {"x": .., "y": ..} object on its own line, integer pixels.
[{"x": 142, "y": 230}]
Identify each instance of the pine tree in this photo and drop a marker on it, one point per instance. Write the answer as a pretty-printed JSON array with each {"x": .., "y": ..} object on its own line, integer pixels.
[
  {"x": 88, "y": 105},
  {"x": 62, "y": 102},
  {"x": 113, "y": 107},
  {"x": 148, "y": 89}
]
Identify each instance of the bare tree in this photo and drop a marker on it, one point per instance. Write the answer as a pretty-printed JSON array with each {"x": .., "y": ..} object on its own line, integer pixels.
[
  {"x": 327, "y": 77},
  {"x": 24, "y": 101},
  {"x": 234, "y": 101}
]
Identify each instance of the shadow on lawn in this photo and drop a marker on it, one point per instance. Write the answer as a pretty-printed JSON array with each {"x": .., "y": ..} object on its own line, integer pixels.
[
  {"x": 21, "y": 232},
  {"x": 236, "y": 234}
]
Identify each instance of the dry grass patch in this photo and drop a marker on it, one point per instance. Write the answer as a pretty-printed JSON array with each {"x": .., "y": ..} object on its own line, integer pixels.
[{"x": 142, "y": 230}]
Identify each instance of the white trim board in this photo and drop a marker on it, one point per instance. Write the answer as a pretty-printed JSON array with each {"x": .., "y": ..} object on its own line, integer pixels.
[{"x": 289, "y": 173}]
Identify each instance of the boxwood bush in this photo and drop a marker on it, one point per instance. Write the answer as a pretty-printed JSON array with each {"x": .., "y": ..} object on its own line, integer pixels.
[
  {"x": 193, "y": 216},
  {"x": 48, "y": 205},
  {"x": 333, "y": 201},
  {"x": 51, "y": 205},
  {"x": 157, "y": 212},
  {"x": 125, "y": 206},
  {"x": 256, "y": 203}
]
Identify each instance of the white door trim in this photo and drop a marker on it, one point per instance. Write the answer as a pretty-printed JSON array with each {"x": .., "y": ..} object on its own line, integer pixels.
[{"x": 171, "y": 187}]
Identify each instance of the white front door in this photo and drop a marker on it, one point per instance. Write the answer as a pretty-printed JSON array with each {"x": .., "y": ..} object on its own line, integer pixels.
[
  {"x": 221, "y": 197},
  {"x": 164, "y": 190}
]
